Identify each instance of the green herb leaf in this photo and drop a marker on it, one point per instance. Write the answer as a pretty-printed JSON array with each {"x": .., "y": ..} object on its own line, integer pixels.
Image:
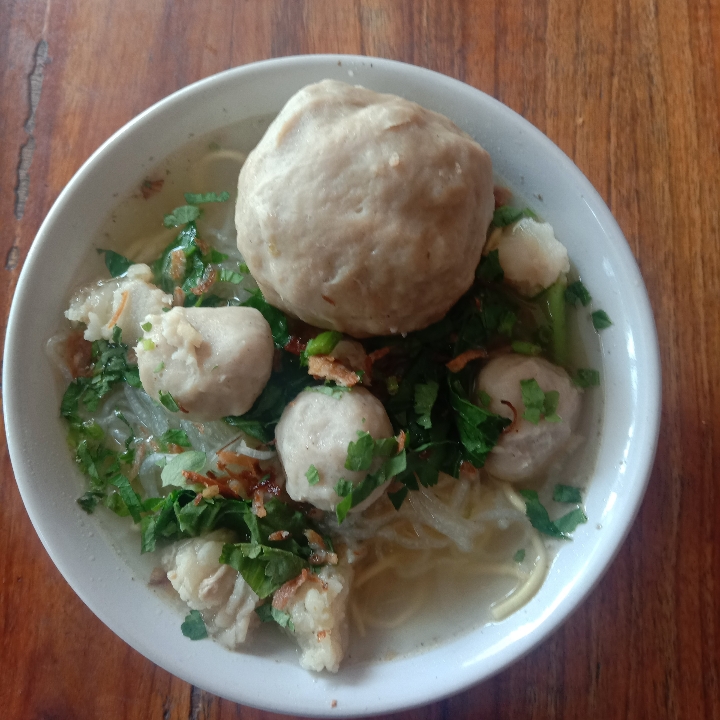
[
  {"x": 312, "y": 475},
  {"x": 540, "y": 520},
  {"x": 539, "y": 404},
  {"x": 275, "y": 318},
  {"x": 175, "y": 437},
  {"x": 194, "y": 626},
  {"x": 360, "y": 452},
  {"x": 267, "y": 613},
  {"x": 600, "y": 320},
  {"x": 568, "y": 523},
  {"x": 479, "y": 429},
  {"x": 519, "y": 556},
  {"x": 586, "y": 377},
  {"x": 567, "y": 494},
  {"x": 343, "y": 487},
  {"x": 264, "y": 568},
  {"x": 117, "y": 264},
  {"x": 181, "y": 216},
  {"x": 425, "y": 397},
  {"x": 168, "y": 401},
  {"x": 334, "y": 391},
  {"x": 577, "y": 293},
  {"x": 211, "y": 197},
  {"x": 489, "y": 269},
  {"x": 191, "y": 460},
  {"x": 229, "y": 276}
]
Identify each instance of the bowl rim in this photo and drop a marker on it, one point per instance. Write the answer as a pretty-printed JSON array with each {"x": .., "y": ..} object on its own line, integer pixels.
[{"x": 12, "y": 406}]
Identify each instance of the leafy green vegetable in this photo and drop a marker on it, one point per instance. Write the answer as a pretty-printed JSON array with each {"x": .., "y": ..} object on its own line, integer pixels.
[
  {"x": 425, "y": 397},
  {"x": 554, "y": 301},
  {"x": 174, "y": 437},
  {"x": 275, "y": 318},
  {"x": 507, "y": 215},
  {"x": 343, "y": 487},
  {"x": 586, "y": 377},
  {"x": 577, "y": 293},
  {"x": 181, "y": 216},
  {"x": 489, "y": 268},
  {"x": 265, "y": 569},
  {"x": 110, "y": 368},
  {"x": 190, "y": 461},
  {"x": 334, "y": 391},
  {"x": 567, "y": 494},
  {"x": 525, "y": 348},
  {"x": 479, "y": 429},
  {"x": 267, "y": 613},
  {"x": 519, "y": 556},
  {"x": 600, "y": 320},
  {"x": 229, "y": 276},
  {"x": 540, "y": 520},
  {"x": 168, "y": 401},
  {"x": 211, "y": 197},
  {"x": 194, "y": 626},
  {"x": 115, "y": 263},
  {"x": 360, "y": 452},
  {"x": 312, "y": 475},
  {"x": 370, "y": 482},
  {"x": 539, "y": 404}
]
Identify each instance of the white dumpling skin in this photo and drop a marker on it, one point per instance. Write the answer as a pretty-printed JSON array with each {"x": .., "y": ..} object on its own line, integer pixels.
[
  {"x": 527, "y": 449},
  {"x": 213, "y": 361},
  {"x": 530, "y": 255},
  {"x": 123, "y": 302},
  {"x": 316, "y": 429},
  {"x": 363, "y": 212},
  {"x": 226, "y": 601}
]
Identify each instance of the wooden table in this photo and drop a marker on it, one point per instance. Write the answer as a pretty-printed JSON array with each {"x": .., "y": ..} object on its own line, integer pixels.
[{"x": 630, "y": 90}]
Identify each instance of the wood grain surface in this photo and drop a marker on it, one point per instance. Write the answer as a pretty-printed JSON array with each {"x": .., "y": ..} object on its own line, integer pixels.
[{"x": 629, "y": 89}]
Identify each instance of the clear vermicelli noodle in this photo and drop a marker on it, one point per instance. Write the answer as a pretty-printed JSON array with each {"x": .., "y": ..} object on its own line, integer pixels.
[{"x": 371, "y": 511}]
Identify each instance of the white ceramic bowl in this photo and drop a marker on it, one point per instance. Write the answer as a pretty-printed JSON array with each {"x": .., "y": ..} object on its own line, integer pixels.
[{"x": 102, "y": 569}]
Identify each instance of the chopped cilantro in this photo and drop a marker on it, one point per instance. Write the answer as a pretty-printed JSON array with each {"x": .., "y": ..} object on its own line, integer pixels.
[
  {"x": 147, "y": 327},
  {"x": 264, "y": 569},
  {"x": 275, "y": 318},
  {"x": 116, "y": 264},
  {"x": 268, "y": 613},
  {"x": 343, "y": 487},
  {"x": 489, "y": 268},
  {"x": 540, "y": 520},
  {"x": 312, "y": 475},
  {"x": 211, "y": 197},
  {"x": 539, "y": 404},
  {"x": 181, "y": 216},
  {"x": 601, "y": 320},
  {"x": 174, "y": 437},
  {"x": 168, "y": 401},
  {"x": 334, "y": 391},
  {"x": 484, "y": 398},
  {"x": 519, "y": 556},
  {"x": 577, "y": 293},
  {"x": 229, "y": 276},
  {"x": 194, "y": 626},
  {"x": 567, "y": 494},
  {"x": 360, "y": 452},
  {"x": 586, "y": 377}
]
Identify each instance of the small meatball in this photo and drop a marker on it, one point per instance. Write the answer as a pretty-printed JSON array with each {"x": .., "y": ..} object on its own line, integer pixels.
[
  {"x": 316, "y": 429},
  {"x": 318, "y": 611},
  {"x": 527, "y": 449},
  {"x": 213, "y": 361},
  {"x": 226, "y": 601},
  {"x": 123, "y": 301},
  {"x": 363, "y": 212},
  {"x": 530, "y": 255}
]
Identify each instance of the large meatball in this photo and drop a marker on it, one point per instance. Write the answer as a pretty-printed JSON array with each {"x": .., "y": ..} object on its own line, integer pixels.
[
  {"x": 316, "y": 429},
  {"x": 527, "y": 449},
  {"x": 363, "y": 212},
  {"x": 213, "y": 361}
]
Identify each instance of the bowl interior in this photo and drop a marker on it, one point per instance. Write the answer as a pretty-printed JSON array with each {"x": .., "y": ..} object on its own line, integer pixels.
[{"x": 99, "y": 559}]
